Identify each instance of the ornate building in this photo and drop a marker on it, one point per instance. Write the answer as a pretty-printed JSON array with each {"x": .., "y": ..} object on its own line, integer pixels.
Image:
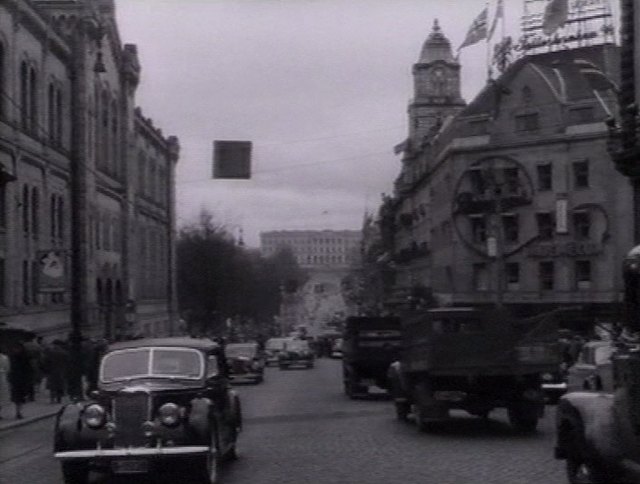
[
  {"x": 513, "y": 199},
  {"x": 86, "y": 182}
]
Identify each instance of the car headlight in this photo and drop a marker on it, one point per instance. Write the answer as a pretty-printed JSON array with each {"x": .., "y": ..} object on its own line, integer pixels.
[
  {"x": 169, "y": 414},
  {"x": 547, "y": 377},
  {"x": 95, "y": 416}
]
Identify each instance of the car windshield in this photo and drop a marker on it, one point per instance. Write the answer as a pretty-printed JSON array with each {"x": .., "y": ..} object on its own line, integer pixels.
[
  {"x": 152, "y": 362},
  {"x": 235, "y": 350},
  {"x": 275, "y": 343},
  {"x": 297, "y": 345}
]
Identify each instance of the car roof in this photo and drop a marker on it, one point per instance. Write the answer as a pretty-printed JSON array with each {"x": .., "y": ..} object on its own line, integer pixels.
[
  {"x": 203, "y": 344},
  {"x": 246, "y": 344}
]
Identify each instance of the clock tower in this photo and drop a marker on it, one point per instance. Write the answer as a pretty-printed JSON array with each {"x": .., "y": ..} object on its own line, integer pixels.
[{"x": 436, "y": 78}]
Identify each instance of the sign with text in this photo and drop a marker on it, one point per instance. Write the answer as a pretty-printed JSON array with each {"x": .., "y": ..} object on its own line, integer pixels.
[
  {"x": 565, "y": 249},
  {"x": 232, "y": 160}
]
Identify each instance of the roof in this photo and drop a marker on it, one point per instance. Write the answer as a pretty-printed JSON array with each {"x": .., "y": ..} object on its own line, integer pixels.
[
  {"x": 204, "y": 344},
  {"x": 437, "y": 47}
]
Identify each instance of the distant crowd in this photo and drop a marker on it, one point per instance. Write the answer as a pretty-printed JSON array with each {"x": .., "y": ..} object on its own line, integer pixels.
[{"x": 33, "y": 366}]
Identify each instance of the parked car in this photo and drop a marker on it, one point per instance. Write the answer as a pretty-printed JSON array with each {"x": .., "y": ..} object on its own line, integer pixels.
[
  {"x": 161, "y": 404},
  {"x": 272, "y": 349},
  {"x": 593, "y": 368},
  {"x": 246, "y": 361},
  {"x": 296, "y": 353},
  {"x": 336, "y": 348}
]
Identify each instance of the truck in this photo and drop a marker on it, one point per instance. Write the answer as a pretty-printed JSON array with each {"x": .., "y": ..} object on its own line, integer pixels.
[
  {"x": 369, "y": 345},
  {"x": 473, "y": 359},
  {"x": 598, "y": 431}
]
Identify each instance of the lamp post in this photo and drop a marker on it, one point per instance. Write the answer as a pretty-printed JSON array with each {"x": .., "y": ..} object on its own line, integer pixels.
[{"x": 495, "y": 240}]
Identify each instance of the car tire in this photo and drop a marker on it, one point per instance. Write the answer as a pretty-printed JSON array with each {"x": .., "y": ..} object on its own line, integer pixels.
[
  {"x": 522, "y": 421},
  {"x": 403, "y": 409},
  {"x": 75, "y": 473},
  {"x": 585, "y": 471},
  {"x": 209, "y": 466}
]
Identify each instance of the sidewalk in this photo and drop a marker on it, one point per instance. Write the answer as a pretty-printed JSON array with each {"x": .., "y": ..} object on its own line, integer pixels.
[{"x": 31, "y": 411}]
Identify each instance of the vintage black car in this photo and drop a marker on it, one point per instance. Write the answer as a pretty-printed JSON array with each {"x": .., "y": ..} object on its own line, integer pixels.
[
  {"x": 246, "y": 362},
  {"x": 296, "y": 352},
  {"x": 161, "y": 405}
]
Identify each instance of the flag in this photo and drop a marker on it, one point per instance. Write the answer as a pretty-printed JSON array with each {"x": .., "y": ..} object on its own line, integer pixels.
[
  {"x": 598, "y": 80},
  {"x": 555, "y": 15},
  {"x": 499, "y": 15},
  {"x": 477, "y": 31}
]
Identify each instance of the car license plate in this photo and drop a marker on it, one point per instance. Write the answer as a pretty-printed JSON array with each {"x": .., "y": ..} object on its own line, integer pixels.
[{"x": 130, "y": 466}]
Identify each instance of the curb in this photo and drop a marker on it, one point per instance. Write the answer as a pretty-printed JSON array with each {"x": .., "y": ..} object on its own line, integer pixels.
[{"x": 26, "y": 421}]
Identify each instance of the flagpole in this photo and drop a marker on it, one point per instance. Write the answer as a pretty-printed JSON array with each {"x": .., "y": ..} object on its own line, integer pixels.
[{"x": 486, "y": 6}]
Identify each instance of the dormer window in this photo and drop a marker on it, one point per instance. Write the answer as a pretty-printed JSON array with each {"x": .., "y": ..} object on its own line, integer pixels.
[{"x": 527, "y": 122}]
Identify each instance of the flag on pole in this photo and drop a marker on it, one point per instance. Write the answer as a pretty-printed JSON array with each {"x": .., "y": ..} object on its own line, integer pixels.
[
  {"x": 499, "y": 15},
  {"x": 556, "y": 14},
  {"x": 598, "y": 80},
  {"x": 477, "y": 31}
]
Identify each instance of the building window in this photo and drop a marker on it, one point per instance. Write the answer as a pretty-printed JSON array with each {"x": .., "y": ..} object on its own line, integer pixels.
[
  {"x": 510, "y": 228},
  {"x": 582, "y": 115},
  {"x": 583, "y": 274},
  {"x": 26, "y": 295},
  {"x": 114, "y": 139},
  {"x": 546, "y": 275},
  {"x": 511, "y": 181},
  {"x": 33, "y": 99},
  {"x": 478, "y": 185},
  {"x": 480, "y": 277},
  {"x": 142, "y": 173},
  {"x": 34, "y": 282},
  {"x": 3, "y": 275},
  {"x": 24, "y": 95},
  {"x": 581, "y": 224},
  {"x": 3, "y": 87},
  {"x": 3, "y": 206},
  {"x": 512, "y": 272},
  {"x": 581, "y": 174},
  {"x": 25, "y": 209},
  {"x": 478, "y": 229},
  {"x": 478, "y": 127},
  {"x": 35, "y": 212},
  {"x": 546, "y": 224},
  {"x": 53, "y": 210},
  {"x": 61, "y": 218},
  {"x": 545, "y": 177},
  {"x": 527, "y": 122}
]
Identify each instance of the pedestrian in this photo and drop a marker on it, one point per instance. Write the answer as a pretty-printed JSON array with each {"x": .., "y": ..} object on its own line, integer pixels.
[
  {"x": 5, "y": 394},
  {"x": 20, "y": 377},
  {"x": 56, "y": 363},
  {"x": 34, "y": 350}
]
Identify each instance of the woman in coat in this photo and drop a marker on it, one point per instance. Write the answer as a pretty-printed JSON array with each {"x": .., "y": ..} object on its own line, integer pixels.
[
  {"x": 20, "y": 377},
  {"x": 5, "y": 394}
]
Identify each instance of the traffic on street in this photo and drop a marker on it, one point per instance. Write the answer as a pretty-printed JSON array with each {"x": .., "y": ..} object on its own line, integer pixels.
[{"x": 299, "y": 426}]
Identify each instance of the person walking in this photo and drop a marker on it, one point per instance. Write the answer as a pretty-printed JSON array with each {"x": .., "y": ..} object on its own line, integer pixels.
[
  {"x": 56, "y": 363},
  {"x": 5, "y": 394},
  {"x": 20, "y": 377}
]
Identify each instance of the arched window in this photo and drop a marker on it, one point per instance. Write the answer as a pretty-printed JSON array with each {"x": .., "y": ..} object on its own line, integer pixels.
[
  {"x": 33, "y": 99},
  {"x": 59, "y": 117},
  {"x": 61, "y": 217},
  {"x": 104, "y": 128},
  {"x": 25, "y": 209},
  {"x": 3, "y": 83},
  {"x": 115, "y": 151},
  {"x": 24, "y": 95},
  {"x": 53, "y": 210},
  {"x": 35, "y": 212},
  {"x": 51, "y": 111}
]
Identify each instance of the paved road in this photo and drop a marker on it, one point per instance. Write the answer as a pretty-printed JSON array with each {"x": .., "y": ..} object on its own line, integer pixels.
[{"x": 299, "y": 428}]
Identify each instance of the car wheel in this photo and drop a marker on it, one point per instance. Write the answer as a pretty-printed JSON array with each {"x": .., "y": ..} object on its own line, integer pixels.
[
  {"x": 584, "y": 471},
  {"x": 402, "y": 411},
  {"x": 75, "y": 473},
  {"x": 209, "y": 466}
]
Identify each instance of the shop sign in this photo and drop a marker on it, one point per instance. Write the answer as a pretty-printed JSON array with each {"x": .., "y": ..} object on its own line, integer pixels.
[{"x": 566, "y": 249}]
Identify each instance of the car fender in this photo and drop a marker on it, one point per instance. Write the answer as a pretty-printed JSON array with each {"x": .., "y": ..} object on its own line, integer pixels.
[
  {"x": 235, "y": 409},
  {"x": 593, "y": 413},
  {"x": 200, "y": 418},
  {"x": 68, "y": 427}
]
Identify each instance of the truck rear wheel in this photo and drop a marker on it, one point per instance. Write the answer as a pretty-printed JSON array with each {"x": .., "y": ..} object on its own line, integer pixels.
[{"x": 523, "y": 419}]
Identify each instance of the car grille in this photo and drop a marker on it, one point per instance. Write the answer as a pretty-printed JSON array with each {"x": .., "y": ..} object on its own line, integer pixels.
[{"x": 130, "y": 411}]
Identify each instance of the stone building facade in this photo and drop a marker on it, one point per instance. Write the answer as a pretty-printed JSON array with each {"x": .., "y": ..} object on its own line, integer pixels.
[
  {"x": 81, "y": 240},
  {"x": 315, "y": 249},
  {"x": 512, "y": 198}
]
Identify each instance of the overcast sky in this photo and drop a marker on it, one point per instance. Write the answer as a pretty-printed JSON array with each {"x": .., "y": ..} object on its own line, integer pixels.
[{"x": 320, "y": 87}]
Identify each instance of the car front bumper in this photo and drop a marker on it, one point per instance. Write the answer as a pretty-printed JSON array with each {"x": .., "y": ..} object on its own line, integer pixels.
[{"x": 147, "y": 452}]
